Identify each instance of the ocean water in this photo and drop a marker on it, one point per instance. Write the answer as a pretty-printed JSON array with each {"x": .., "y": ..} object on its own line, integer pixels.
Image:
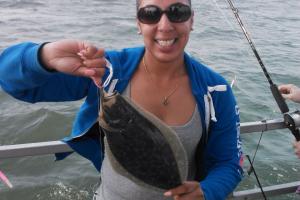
[{"x": 217, "y": 41}]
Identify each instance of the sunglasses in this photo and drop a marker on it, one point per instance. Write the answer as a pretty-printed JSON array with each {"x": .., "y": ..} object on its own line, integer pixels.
[{"x": 176, "y": 13}]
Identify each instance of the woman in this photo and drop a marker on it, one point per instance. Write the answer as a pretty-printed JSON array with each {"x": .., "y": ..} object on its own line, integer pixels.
[{"x": 190, "y": 98}]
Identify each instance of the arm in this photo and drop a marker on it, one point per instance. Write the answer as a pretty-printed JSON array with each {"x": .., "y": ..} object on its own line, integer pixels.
[
  {"x": 54, "y": 72},
  {"x": 223, "y": 155}
]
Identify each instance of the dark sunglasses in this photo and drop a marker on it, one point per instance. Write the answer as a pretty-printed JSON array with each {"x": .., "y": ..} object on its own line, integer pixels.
[{"x": 176, "y": 13}]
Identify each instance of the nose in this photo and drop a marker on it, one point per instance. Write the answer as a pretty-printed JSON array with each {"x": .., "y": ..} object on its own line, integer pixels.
[{"x": 164, "y": 24}]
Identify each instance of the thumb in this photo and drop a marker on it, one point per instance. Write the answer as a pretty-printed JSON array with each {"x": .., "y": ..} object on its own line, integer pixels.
[
  {"x": 97, "y": 81},
  {"x": 87, "y": 50},
  {"x": 287, "y": 96}
]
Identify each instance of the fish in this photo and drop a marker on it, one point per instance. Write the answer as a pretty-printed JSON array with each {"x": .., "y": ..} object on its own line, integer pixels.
[{"x": 139, "y": 145}]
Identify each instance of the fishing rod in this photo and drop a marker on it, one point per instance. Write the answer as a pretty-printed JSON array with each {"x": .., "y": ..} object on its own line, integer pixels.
[{"x": 292, "y": 120}]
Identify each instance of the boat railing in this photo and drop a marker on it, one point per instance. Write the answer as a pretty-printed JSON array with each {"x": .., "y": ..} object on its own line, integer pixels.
[{"x": 52, "y": 147}]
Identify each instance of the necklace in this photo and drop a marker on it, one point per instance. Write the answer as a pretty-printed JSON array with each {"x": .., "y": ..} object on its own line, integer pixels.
[{"x": 166, "y": 98}]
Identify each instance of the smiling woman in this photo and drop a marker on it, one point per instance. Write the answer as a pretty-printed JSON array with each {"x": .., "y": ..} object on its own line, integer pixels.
[{"x": 161, "y": 78}]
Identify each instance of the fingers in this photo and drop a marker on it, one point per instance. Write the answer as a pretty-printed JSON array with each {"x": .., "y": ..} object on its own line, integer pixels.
[
  {"x": 88, "y": 51},
  {"x": 99, "y": 53},
  {"x": 287, "y": 96},
  {"x": 91, "y": 72},
  {"x": 93, "y": 60},
  {"x": 285, "y": 89},
  {"x": 290, "y": 91},
  {"x": 97, "y": 81},
  {"x": 94, "y": 63},
  {"x": 296, "y": 146},
  {"x": 182, "y": 189},
  {"x": 187, "y": 191}
]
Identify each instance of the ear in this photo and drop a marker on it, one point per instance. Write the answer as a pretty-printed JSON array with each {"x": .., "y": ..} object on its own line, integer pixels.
[
  {"x": 139, "y": 27},
  {"x": 192, "y": 20}
]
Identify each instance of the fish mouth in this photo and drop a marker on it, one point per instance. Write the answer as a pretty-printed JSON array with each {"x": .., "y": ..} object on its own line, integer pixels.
[{"x": 105, "y": 96}]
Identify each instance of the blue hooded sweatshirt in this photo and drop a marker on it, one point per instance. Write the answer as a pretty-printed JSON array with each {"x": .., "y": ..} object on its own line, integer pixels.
[{"x": 219, "y": 155}]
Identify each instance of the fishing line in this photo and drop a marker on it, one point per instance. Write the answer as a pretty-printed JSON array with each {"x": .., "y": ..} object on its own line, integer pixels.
[
  {"x": 279, "y": 99},
  {"x": 99, "y": 90},
  {"x": 250, "y": 170},
  {"x": 227, "y": 20},
  {"x": 235, "y": 33},
  {"x": 101, "y": 134},
  {"x": 274, "y": 88},
  {"x": 291, "y": 120},
  {"x": 260, "y": 186}
]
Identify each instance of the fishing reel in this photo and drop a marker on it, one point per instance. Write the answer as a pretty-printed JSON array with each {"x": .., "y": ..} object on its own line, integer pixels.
[{"x": 292, "y": 121}]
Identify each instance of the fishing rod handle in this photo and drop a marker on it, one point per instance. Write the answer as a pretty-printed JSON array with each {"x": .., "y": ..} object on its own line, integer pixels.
[
  {"x": 279, "y": 99},
  {"x": 292, "y": 121}
]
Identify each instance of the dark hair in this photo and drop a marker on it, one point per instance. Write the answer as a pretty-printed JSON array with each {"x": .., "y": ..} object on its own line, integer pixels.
[{"x": 138, "y": 2}]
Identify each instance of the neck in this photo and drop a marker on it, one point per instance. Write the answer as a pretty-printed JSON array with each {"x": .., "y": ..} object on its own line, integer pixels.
[{"x": 164, "y": 69}]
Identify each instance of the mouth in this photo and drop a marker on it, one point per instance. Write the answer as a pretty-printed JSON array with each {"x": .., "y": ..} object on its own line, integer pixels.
[{"x": 166, "y": 43}]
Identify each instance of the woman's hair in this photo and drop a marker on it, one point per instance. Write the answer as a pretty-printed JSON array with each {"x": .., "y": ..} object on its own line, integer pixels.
[{"x": 138, "y": 2}]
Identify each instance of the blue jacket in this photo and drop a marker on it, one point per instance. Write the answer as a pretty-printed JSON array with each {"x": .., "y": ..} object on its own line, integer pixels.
[{"x": 219, "y": 155}]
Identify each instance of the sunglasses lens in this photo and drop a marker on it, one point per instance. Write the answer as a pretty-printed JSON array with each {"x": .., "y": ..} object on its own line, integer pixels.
[
  {"x": 176, "y": 13},
  {"x": 179, "y": 13},
  {"x": 149, "y": 14}
]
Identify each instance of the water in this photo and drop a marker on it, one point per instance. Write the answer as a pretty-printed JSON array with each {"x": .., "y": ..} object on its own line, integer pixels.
[{"x": 216, "y": 40}]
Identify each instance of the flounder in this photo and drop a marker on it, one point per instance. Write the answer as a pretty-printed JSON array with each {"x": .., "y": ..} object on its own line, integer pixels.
[{"x": 139, "y": 145}]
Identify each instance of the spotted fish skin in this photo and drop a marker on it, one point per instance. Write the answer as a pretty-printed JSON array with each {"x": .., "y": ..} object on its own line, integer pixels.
[{"x": 147, "y": 150}]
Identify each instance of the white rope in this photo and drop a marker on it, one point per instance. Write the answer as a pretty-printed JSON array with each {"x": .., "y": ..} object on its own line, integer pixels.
[{"x": 108, "y": 79}]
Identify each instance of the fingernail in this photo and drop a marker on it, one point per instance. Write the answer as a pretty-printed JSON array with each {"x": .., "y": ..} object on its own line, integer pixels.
[{"x": 168, "y": 193}]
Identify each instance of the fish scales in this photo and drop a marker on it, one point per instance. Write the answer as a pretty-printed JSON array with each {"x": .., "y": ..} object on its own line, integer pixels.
[{"x": 141, "y": 147}]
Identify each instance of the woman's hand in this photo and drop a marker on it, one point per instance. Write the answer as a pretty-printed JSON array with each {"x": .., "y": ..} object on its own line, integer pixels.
[
  {"x": 290, "y": 91},
  {"x": 189, "y": 190},
  {"x": 75, "y": 58}
]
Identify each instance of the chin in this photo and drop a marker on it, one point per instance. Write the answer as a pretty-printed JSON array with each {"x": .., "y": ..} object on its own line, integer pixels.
[{"x": 168, "y": 56}]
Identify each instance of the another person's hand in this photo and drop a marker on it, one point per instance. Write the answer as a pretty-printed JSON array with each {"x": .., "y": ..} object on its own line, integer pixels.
[
  {"x": 290, "y": 91},
  {"x": 189, "y": 190},
  {"x": 74, "y": 57},
  {"x": 296, "y": 146}
]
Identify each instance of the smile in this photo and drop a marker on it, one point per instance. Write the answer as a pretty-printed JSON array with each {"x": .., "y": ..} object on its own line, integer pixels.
[{"x": 165, "y": 43}]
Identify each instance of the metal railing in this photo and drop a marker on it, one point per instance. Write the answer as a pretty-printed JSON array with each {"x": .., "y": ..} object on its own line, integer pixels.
[
  {"x": 52, "y": 147},
  {"x": 42, "y": 148}
]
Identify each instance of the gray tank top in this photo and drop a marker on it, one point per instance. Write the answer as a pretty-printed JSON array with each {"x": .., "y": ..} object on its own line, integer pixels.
[{"x": 117, "y": 187}]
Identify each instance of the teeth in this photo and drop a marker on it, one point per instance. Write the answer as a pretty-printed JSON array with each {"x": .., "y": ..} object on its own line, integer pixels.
[{"x": 165, "y": 43}]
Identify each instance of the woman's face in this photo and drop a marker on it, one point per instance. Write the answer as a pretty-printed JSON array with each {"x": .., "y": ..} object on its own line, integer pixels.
[{"x": 165, "y": 40}]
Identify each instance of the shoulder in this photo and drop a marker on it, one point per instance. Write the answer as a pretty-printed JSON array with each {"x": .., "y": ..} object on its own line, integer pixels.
[
  {"x": 202, "y": 73},
  {"x": 126, "y": 53}
]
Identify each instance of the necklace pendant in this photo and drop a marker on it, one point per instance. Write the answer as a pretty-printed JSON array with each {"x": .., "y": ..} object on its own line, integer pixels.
[{"x": 165, "y": 101}]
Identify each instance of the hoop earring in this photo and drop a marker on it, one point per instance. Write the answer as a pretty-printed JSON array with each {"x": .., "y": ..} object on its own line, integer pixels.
[{"x": 139, "y": 32}]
